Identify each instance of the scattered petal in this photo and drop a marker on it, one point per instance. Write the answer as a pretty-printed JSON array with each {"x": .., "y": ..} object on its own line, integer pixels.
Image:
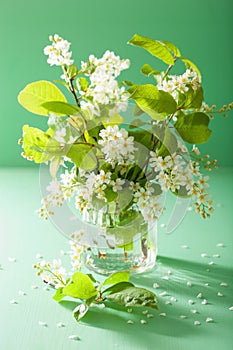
[
  {"x": 204, "y": 302},
  {"x": 199, "y": 296},
  {"x": 209, "y": 319},
  {"x": 144, "y": 312},
  {"x": 194, "y": 311},
  {"x": 189, "y": 208},
  {"x": 13, "y": 301},
  {"x": 102, "y": 305},
  {"x": 74, "y": 337},
  {"x": 183, "y": 316},
  {"x": 219, "y": 294},
  {"x": 197, "y": 323},
  {"x": 155, "y": 285},
  {"x": 211, "y": 263},
  {"x": 143, "y": 321},
  {"x": 34, "y": 287},
  {"x": 173, "y": 299},
  {"x": 39, "y": 256},
  {"x": 163, "y": 314},
  {"x": 220, "y": 245},
  {"x": 184, "y": 246},
  {"x": 207, "y": 284},
  {"x": 165, "y": 278},
  {"x": 11, "y": 259},
  {"x": 62, "y": 252},
  {"x": 43, "y": 324},
  {"x": 231, "y": 308},
  {"x": 149, "y": 315},
  {"x": 189, "y": 284},
  {"x": 129, "y": 310},
  {"x": 130, "y": 322},
  {"x": 191, "y": 302},
  {"x": 162, "y": 225},
  {"x": 60, "y": 325},
  {"x": 21, "y": 292},
  {"x": 223, "y": 284},
  {"x": 216, "y": 256},
  {"x": 203, "y": 255},
  {"x": 163, "y": 294},
  {"x": 167, "y": 302},
  {"x": 1, "y": 268}
]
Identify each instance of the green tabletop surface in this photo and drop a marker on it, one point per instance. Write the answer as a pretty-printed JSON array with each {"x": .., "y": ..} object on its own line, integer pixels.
[{"x": 196, "y": 258}]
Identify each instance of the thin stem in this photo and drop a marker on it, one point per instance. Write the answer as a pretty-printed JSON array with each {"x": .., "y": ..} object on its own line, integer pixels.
[
  {"x": 169, "y": 68},
  {"x": 71, "y": 86}
]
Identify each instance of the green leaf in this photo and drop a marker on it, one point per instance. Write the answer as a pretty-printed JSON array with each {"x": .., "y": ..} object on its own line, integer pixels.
[
  {"x": 72, "y": 71},
  {"x": 148, "y": 70},
  {"x": 115, "y": 119},
  {"x": 136, "y": 123},
  {"x": 169, "y": 143},
  {"x": 190, "y": 65},
  {"x": 59, "y": 295},
  {"x": 171, "y": 47},
  {"x": 156, "y": 103},
  {"x": 194, "y": 98},
  {"x": 81, "y": 287},
  {"x": 137, "y": 111},
  {"x": 54, "y": 166},
  {"x": 83, "y": 156},
  {"x": 117, "y": 277},
  {"x": 134, "y": 296},
  {"x": 110, "y": 194},
  {"x": 35, "y": 94},
  {"x": 193, "y": 128},
  {"x": 60, "y": 108},
  {"x": 118, "y": 287},
  {"x": 154, "y": 47},
  {"x": 40, "y": 145},
  {"x": 80, "y": 311},
  {"x": 83, "y": 83}
]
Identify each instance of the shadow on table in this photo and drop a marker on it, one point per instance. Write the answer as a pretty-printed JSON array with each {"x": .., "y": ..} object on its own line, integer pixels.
[{"x": 116, "y": 317}]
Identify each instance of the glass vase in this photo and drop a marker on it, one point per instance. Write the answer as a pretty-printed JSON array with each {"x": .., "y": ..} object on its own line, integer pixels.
[{"x": 118, "y": 245}]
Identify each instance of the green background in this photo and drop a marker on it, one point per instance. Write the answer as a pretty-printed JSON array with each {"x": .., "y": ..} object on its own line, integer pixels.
[{"x": 202, "y": 29}]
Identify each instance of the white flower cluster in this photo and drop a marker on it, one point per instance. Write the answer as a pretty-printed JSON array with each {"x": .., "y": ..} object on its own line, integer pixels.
[
  {"x": 175, "y": 174},
  {"x": 58, "y": 51},
  {"x": 103, "y": 88},
  {"x": 52, "y": 273},
  {"x": 148, "y": 203},
  {"x": 181, "y": 83},
  {"x": 117, "y": 146}
]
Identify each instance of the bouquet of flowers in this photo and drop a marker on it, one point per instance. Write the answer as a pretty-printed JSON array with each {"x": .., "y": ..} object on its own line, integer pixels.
[{"x": 111, "y": 161}]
